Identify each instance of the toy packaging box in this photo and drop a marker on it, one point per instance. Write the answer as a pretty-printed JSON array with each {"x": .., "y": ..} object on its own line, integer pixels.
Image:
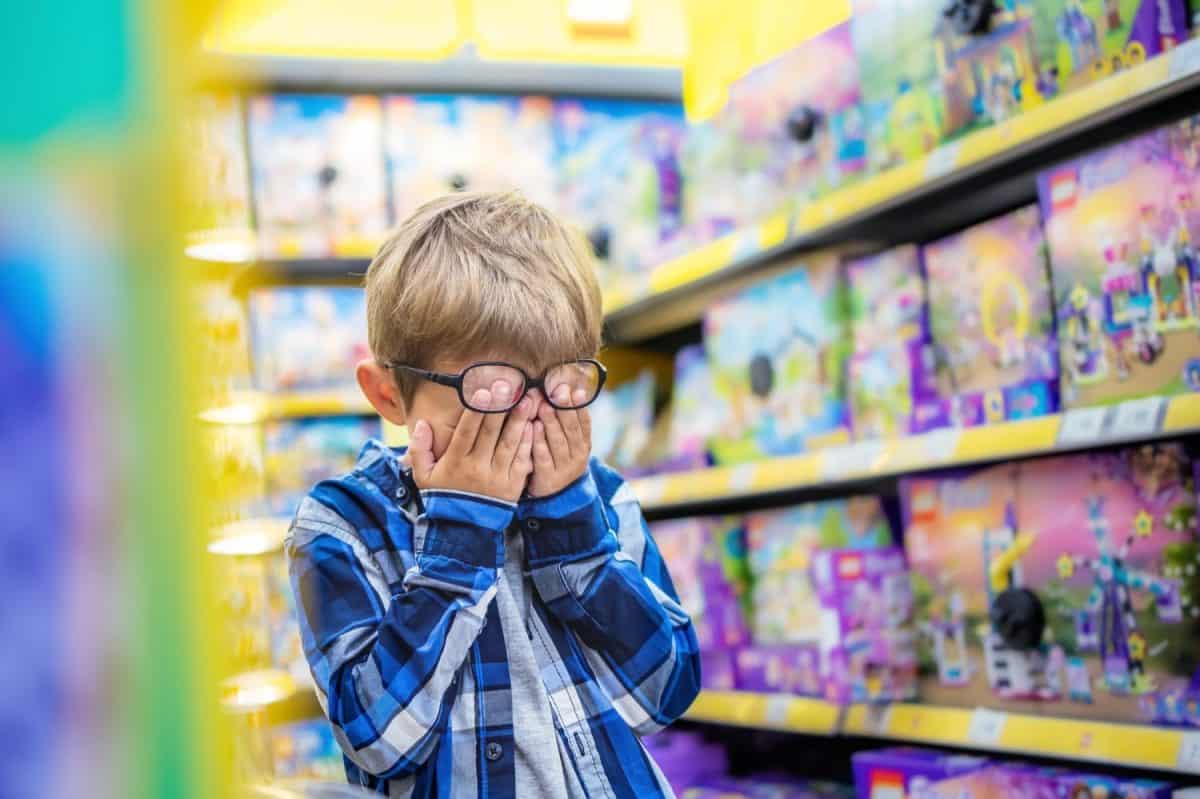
[
  {"x": 438, "y": 144},
  {"x": 299, "y": 453},
  {"x": 318, "y": 174},
  {"x": 306, "y": 749},
  {"x": 622, "y": 421},
  {"x": 891, "y": 384},
  {"x": 799, "y": 124},
  {"x": 1063, "y": 586},
  {"x": 923, "y": 81},
  {"x": 780, "y": 548},
  {"x": 287, "y": 651},
  {"x": 992, "y": 321},
  {"x": 307, "y": 338},
  {"x": 868, "y": 640},
  {"x": 1120, "y": 225},
  {"x": 218, "y": 170},
  {"x": 1004, "y": 780},
  {"x": 777, "y": 351},
  {"x": 906, "y": 771},
  {"x": 696, "y": 411},
  {"x": 1078, "y": 41},
  {"x": 709, "y": 159},
  {"x": 620, "y": 178}
]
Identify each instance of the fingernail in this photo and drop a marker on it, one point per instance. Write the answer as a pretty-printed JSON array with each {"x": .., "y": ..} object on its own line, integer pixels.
[
  {"x": 482, "y": 398},
  {"x": 580, "y": 395},
  {"x": 561, "y": 394},
  {"x": 503, "y": 390}
]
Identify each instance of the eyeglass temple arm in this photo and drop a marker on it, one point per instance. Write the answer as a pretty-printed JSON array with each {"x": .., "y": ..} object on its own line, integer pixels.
[{"x": 434, "y": 377}]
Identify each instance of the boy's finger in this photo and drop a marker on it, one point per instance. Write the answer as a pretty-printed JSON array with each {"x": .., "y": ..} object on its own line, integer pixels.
[
  {"x": 469, "y": 423},
  {"x": 489, "y": 429},
  {"x": 585, "y": 424},
  {"x": 542, "y": 459},
  {"x": 570, "y": 421},
  {"x": 510, "y": 437},
  {"x": 522, "y": 463},
  {"x": 420, "y": 449},
  {"x": 555, "y": 435}
]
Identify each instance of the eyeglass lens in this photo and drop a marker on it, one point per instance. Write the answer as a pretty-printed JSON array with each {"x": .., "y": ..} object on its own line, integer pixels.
[
  {"x": 568, "y": 385},
  {"x": 572, "y": 385}
]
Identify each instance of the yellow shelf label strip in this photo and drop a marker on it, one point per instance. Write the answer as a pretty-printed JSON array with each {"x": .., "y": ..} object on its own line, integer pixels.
[{"x": 766, "y": 711}]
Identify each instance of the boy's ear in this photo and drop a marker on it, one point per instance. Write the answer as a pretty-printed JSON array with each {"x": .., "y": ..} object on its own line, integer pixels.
[{"x": 380, "y": 389}]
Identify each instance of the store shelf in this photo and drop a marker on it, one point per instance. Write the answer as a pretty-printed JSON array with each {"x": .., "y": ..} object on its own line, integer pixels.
[
  {"x": 1137, "y": 746},
  {"x": 990, "y": 159},
  {"x": 249, "y": 537},
  {"x": 255, "y": 407},
  {"x": 1084, "y": 428},
  {"x": 767, "y": 711}
]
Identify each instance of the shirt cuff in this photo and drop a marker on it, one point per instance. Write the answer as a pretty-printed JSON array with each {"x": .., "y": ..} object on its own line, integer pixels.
[
  {"x": 465, "y": 528},
  {"x": 567, "y": 526}
]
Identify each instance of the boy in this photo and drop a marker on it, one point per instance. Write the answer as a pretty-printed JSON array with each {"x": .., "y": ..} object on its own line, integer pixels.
[{"x": 486, "y": 614}]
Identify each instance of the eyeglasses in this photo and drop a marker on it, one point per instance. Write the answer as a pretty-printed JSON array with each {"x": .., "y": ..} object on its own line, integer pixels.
[{"x": 507, "y": 384}]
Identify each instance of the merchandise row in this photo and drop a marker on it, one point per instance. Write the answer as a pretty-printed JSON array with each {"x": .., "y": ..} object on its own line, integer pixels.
[
  {"x": 1091, "y": 298},
  {"x": 1063, "y": 586}
]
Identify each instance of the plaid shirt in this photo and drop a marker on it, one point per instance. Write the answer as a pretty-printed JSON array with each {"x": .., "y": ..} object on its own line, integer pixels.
[{"x": 395, "y": 590}]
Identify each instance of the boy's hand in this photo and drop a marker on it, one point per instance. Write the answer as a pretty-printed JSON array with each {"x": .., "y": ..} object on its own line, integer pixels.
[
  {"x": 489, "y": 453},
  {"x": 562, "y": 444}
]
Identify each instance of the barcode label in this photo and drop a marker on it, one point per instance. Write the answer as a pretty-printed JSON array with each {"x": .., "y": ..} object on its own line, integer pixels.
[
  {"x": 850, "y": 461},
  {"x": 1137, "y": 417},
  {"x": 941, "y": 161},
  {"x": 776, "y": 712},
  {"x": 986, "y": 727},
  {"x": 1082, "y": 425}
]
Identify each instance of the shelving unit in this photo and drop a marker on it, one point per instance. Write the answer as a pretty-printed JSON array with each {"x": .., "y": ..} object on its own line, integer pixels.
[
  {"x": 256, "y": 407},
  {"x": 1084, "y": 428}
]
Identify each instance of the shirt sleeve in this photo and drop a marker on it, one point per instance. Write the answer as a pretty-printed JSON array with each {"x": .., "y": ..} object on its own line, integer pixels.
[
  {"x": 386, "y": 654},
  {"x": 595, "y": 566}
]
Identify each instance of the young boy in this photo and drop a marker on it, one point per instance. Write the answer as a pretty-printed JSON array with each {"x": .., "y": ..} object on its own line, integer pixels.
[{"x": 486, "y": 614}]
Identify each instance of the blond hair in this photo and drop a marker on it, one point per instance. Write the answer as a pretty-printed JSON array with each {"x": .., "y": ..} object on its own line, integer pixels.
[{"x": 475, "y": 273}]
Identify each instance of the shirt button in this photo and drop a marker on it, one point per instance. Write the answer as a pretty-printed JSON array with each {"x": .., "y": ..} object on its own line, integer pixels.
[
  {"x": 401, "y": 493},
  {"x": 532, "y": 524},
  {"x": 494, "y": 751}
]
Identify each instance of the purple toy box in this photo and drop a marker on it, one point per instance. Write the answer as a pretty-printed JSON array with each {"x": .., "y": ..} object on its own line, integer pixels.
[
  {"x": 992, "y": 321},
  {"x": 784, "y": 669},
  {"x": 891, "y": 381},
  {"x": 907, "y": 771},
  {"x": 867, "y": 645}
]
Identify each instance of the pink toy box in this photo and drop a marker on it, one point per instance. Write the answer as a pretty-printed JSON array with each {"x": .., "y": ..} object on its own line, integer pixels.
[
  {"x": 891, "y": 380},
  {"x": 1121, "y": 225},
  {"x": 906, "y": 772},
  {"x": 1061, "y": 586},
  {"x": 992, "y": 322}
]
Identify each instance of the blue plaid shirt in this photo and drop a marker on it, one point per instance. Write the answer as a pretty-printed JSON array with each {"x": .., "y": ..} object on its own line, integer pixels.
[{"x": 395, "y": 590}]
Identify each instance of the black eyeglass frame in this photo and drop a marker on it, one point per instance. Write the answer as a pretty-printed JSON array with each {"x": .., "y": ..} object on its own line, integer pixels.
[{"x": 455, "y": 381}]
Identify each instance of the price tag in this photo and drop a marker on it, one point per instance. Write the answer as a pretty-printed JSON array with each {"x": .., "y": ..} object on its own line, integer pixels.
[
  {"x": 941, "y": 161},
  {"x": 986, "y": 726},
  {"x": 1184, "y": 60},
  {"x": 878, "y": 719},
  {"x": 1137, "y": 417},
  {"x": 741, "y": 478},
  {"x": 1189, "y": 753},
  {"x": 745, "y": 245},
  {"x": 939, "y": 446},
  {"x": 1082, "y": 425},
  {"x": 776, "y": 711},
  {"x": 854, "y": 460},
  {"x": 650, "y": 490}
]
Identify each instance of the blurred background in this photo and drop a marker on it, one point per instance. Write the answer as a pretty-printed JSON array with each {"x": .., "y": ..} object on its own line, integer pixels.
[{"x": 902, "y": 326}]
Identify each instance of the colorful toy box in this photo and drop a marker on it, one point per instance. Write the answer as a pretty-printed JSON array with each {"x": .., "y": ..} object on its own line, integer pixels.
[
  {"x": 438, "y": 144},
  {"x": 1004, "y": 780},
  {"x": 299, "y": 453},
  {"x": 1079, "y": 41},
  {"x": 992, "y": 321},
  {"x": 906, "y": 772},
  {"x": 777, "y": 352},
  {"x": 924, "y": 81},
  {"x": 891, "y": 384},
  {"x": 306, "y": 749},
  {"x": 620, "y": 178},
  {"x": 1063, "y": 586},
  {"x": 217, "y": 165},
  {"x": 868, "y": 641},
  {"x": 798, "y": 124},
  {"x": 696, "y": 411},
  {"x": 306, "y": 338},
  {"x": 1120, "y": 225},
  {"x": 318, "y": 174}
]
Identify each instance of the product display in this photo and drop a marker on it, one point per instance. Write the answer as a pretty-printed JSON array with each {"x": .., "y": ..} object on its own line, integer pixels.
[
  {"x": 306, "y": 749},
  {"x": 1056, "y": 586},
  {"x": 622, "y": 418},
  {"x": 299, "y": 453},
  {"x": 776, "y": 351},
  {"x": 696, "y": 410},
  {"x": 891, "y": 380},
  {"x": 219, "y": 173},
  {"x": 306, "y": 338},
  {"x": 1120, "y": 225},
  {"x": 317, "y": 167},
  {"x": 907, "y": 771},
  {"x": 990, "y": 311}
]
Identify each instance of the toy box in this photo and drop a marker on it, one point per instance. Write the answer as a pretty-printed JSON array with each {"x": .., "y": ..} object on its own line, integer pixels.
[
  {"x": 622, "y": 421},
  {"x": 709, "y": 159},
  {"x": 306, "y": 749},
  {"x": 318, "y": 175},
  {"x": 784, "y": 668},
  {"x": 301, "y": 452},
  {"x": 1078, "y": 41},
  {"x": 1061, "y": 586},
  {"x": 217, "y": 170},
  {"x": 798, "y": 124},
  {"x": 992, "y": 321},
  {"x": 777, "y": 351},
  {"x": 924, "y": 80},
  {"x": 1120, "y": 224},
  {"x": 438, "y": 144},
  {"x": 306, "y": 338},
  {"x": 287, "y": 651},
  {"x": 868, "y": 646},
  {"x": 780, "y": 547},
  {"x": 906, "y": 772},
  {"x": 620, "y": 178},
  {"x": 705, "y": 558},
  {"x": 1003, "y": 780},
  {"x": 696, "y": 411},
  {"x": 686, "y": 758},
  {"x": 891, "y": 384}
]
